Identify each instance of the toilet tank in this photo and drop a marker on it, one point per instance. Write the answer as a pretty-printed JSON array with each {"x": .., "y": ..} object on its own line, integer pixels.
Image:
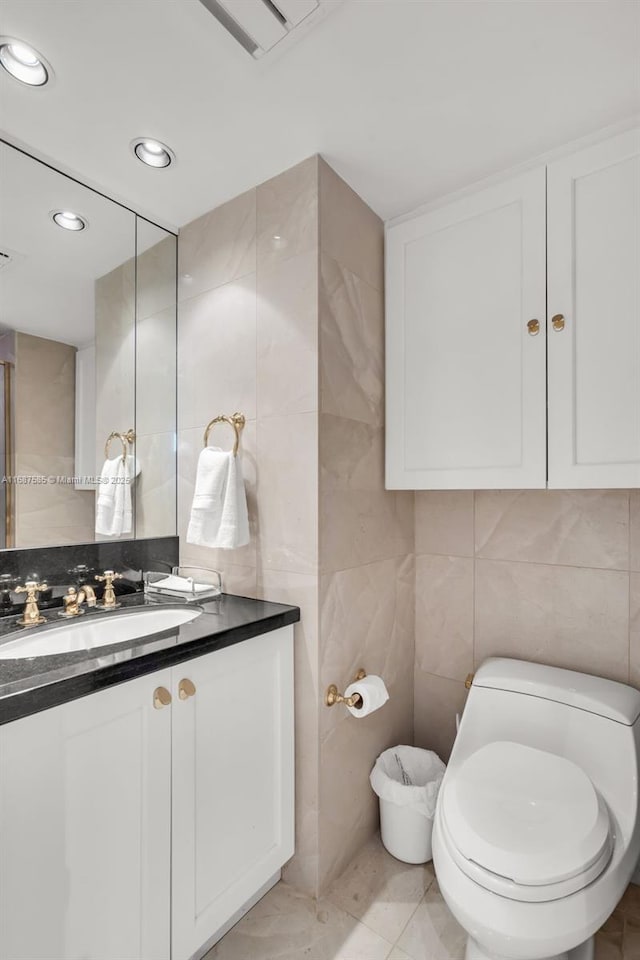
[
  {"x": 589, "y": 720},
  {"x": 606, "y": 698}
]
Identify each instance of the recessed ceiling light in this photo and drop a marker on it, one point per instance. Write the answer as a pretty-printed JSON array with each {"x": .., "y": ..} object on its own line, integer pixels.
[
  {"x": 68, "y": 220},
  {"x": 23, "y": 62},
  {"x": 152, "y": 152}
]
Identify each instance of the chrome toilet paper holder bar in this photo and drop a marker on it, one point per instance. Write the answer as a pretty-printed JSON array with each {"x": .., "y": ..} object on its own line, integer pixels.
[{"x": 355, "y": 700}]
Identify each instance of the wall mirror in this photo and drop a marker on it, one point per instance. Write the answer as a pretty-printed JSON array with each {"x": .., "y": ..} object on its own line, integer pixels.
[{"x": 87, "y": 363}]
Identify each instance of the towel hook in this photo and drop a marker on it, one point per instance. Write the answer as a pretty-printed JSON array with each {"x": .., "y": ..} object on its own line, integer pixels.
[
  {"x": 124, "y": 438},
  {"x": 236, "y": 420}
]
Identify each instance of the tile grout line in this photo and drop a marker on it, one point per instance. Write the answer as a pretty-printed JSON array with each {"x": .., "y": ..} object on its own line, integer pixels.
[
  {"x": 532, "y": 563},
  {"x": 413, "y": 913},
  {"x": 364, "y": 923}
]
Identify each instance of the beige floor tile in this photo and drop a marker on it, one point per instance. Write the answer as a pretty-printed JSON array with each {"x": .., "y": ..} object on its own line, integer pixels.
[
  {"x": 631, "y": 941},
  {"x": 432, "y": 931},
  {"x": 608, "y": 946},
  {"x": 381, "y": 891},
  {"x": 286, "y": 925},
  {"x": 629, "y": 906},
  {"x": 367, "y": 909},
  {"x": 615, "y": 923}
]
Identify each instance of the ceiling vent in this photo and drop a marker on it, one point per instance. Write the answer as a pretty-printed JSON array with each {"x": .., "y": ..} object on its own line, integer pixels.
[
  {"x": 259, "y": 25},
  {"x": 7, "y": 257}
]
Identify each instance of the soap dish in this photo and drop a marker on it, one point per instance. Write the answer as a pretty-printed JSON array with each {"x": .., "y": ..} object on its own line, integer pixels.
[{"x": 189, "y": 584}]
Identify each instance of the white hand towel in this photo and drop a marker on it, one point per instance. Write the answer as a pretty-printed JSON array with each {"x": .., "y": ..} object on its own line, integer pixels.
[
  {"x": 219, "y": 509},
  {"x": 180, "y": 585},
  {"x": 123, "y": 506},
  {"x": 114, "y": 512},
  {"x": 106, "y": 498}
]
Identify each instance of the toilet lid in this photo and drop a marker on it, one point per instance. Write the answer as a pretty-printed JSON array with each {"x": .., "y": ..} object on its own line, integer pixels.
[{"x": 525, "y": 814}]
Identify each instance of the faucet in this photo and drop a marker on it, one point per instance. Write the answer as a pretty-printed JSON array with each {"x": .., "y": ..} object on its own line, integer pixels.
[
  {"x": 109, "y": 601},
  {"x": 31, "y": 616},
  {"x": 73, "y": 600}
]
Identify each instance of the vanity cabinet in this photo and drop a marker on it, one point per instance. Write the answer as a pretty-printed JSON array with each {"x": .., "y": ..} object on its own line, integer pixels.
[
  {"x": 85, "y": 807},
  {"x": 136, "y": 828},
  {"x": 232, "y": 784},
  {"x": 513, "y": 331}
]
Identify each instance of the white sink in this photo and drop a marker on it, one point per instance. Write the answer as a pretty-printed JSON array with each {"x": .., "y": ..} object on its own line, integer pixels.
[{"x": 97, "y": 631}]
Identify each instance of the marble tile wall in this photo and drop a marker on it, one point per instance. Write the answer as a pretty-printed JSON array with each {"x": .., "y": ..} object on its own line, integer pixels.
[
  {"x": 540, "y": 575},
  {"x": 44, "y": 442},
  {"x": 281, "y": 317},
  {"x": 248, "y": 341},
  {"x": 366, "y": 533}
]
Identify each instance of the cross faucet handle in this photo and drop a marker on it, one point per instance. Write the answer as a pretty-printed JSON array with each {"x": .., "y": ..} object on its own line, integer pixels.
[
  {"x": 109, "y": 599},
  {"x": 31, "y": 616},
  {"x": 32, "y": 589}
]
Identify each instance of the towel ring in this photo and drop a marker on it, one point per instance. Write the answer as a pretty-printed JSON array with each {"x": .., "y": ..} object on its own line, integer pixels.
[
  {"x": 124, "y": 438},
  {"x": 237, "y": 421}
]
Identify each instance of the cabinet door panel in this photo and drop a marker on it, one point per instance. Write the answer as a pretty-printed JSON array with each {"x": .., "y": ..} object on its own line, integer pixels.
[
  {"x": 85, "y": 809},
  {"x": 232, "y": 783},
  {"x": 594, "y": 281},
  {"x": 465, "y": 379}
]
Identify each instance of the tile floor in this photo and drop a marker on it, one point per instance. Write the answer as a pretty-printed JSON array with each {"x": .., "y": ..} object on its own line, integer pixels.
[{"x": 381, "y": 909}]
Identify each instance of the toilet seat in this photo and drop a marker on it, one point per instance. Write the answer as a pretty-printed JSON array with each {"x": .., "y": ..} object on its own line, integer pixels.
[{"x": 525, "y": 823}]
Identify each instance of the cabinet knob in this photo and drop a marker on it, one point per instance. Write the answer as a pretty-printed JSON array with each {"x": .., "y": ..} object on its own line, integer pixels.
[
  {"x": 557, "y": 321},
  {"x": 186, "y": 689},
  {"x": 161, "y": 698},
  {"x": 533, "y": 327}
]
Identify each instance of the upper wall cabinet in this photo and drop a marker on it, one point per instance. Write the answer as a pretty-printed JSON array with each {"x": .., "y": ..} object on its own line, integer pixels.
[
  {"x": 468, "y": 333},
  {"x": 465, "y": 379},
  {"x": 594, "y": 316}
]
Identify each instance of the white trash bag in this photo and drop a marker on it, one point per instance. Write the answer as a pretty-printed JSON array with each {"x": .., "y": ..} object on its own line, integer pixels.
[{"x": 407, "y": 781}]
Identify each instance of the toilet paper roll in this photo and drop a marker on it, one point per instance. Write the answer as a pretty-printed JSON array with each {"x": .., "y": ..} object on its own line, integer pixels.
[{"x": 373, "y": 694}]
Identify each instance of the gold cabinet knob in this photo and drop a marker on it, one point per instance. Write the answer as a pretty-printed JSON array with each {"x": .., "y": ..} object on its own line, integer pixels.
[
  {"x": 557, "y": 322},
  {"x": 161, "y": 698},
  {"x": 186, "y": 689},
  {"x": 533, "y": 327}
]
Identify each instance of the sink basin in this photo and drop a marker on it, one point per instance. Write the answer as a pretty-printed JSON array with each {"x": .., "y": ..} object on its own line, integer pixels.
[{"x": 86, "y": 633}]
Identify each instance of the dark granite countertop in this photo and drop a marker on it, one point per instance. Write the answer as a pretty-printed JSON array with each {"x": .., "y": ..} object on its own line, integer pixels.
[{"x": 30, "y": 685}]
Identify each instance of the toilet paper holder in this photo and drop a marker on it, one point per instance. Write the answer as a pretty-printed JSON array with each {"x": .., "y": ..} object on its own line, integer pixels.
[{"x": 332, "y": 696}]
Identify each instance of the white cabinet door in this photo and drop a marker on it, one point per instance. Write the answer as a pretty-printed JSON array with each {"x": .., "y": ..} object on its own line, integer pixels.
[
  {"x": 232, "y": 783},
  {"x": 465, "y": 377},
  {"x": 85, "y": 809},
  {"x": 594, "y": 283}
]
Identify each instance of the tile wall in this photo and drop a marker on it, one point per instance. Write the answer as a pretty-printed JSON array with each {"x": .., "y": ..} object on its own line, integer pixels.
[
  {"x": 248, "y": 342},
  {"x": 366, "y": 532},
  {"x": 545, "y": 575},
  {"x": 281, "y": 318}
]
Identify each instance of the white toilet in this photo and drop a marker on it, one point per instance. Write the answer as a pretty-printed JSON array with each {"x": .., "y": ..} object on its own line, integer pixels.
[{"x": 537, "y": 829}]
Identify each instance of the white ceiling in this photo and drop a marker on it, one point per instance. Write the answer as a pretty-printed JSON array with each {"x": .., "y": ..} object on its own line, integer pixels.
[{"x": 407, "y": 99}]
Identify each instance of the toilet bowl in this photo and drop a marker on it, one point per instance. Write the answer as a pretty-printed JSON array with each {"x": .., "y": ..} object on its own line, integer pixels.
[{"x": 537, "y": 829}]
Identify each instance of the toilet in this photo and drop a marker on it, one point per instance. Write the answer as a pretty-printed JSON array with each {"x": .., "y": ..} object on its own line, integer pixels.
[{"x": 537, "y": 830}]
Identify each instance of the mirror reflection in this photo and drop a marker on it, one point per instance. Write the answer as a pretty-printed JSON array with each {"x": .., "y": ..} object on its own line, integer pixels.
[{"x": 87, "y": 363}]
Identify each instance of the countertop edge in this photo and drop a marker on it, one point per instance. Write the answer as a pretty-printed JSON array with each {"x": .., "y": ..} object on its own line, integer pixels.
[{"x": 25, "y": 703}]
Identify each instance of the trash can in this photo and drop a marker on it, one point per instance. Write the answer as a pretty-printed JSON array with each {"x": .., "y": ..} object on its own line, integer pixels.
[{"x": 407, "y": 781}]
